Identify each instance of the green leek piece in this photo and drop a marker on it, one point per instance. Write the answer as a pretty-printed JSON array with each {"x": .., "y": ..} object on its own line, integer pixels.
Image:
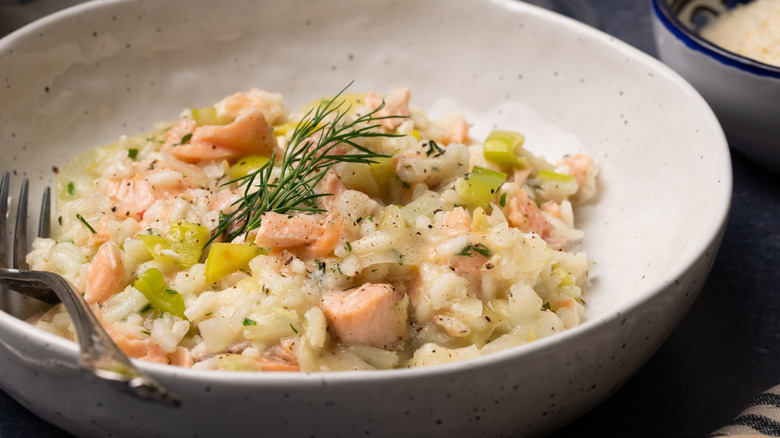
[
  {"x": 349, "y": 103},
  {"x": 152, "y": 284},
  {"x": 548, "y": 175},
  {"x": 225, "y": 258},
  {"x": 183, "y": 244},
  {"x": 207, "y": 116},
  {"x": 479, "y": 187},
  {"x": 500, "y": 148},
  {"x": 358, "y": 176},
  {"x": 246, "y": 165},
  {"x": 382, "y": 170},
  {"x": 565, "y": 278},
  {"x": 159, "y": 247},
  {"x": 237, "y": 362},
  {"x": 284, "y": 128}
]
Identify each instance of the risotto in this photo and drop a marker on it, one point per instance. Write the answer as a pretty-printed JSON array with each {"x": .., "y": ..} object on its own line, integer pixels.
[
  {"x": 751, "y": 30},
  {"x": 356, "y": 233}
]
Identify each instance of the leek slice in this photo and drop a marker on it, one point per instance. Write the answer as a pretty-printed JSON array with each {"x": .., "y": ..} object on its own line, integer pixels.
[
  {"x": 358, "y": 176},
  {"x": 382, "y": 170},
  {"x": 152, "y": 284},
  {"x": 284, "y": 128},
  {"x": 565, "y": 277},
  {"x": 183, "y": 244},
  {"x": 348, "y": 103},
  {"x": 480, "y": 186},
  {"x": 548, "y": 175},
  {"x": 501, "y": 146},
  {"x": 159, "y": 247},
  {"x": 207, "y": 116},
  {"x": 237, "y": 362},
  {"x": 555, "y": 186},
  {"x": 423, "y": 205},
  {"x": 246, "y": 165},
  {"x": 225, "y": 258}
]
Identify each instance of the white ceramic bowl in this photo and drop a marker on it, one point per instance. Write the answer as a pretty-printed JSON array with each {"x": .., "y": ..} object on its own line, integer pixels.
[
  {"x": 82, "y": 77},
  {"x": 744, "y": 93}
]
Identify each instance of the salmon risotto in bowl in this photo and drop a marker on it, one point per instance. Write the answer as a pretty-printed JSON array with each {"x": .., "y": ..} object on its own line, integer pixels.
[
  {"x": 357, "y": 233},
  {"x": 387, "y": 218}
]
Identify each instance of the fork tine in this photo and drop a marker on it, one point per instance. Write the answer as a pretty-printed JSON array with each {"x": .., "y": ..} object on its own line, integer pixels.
[
  {"x": 3, "y": 213},
  {"x": 99, "y": 354},
  {"x": 44, "y": 224},
  {"x": 20, "y": 231}
]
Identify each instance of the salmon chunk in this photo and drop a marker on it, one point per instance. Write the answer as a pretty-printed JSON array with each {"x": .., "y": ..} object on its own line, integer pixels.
[
  {"x": 523, "y": 213},
  {"x": 309, "y": 235},
  {"x": 105, "y": 275},
  {"x": 373, "y": 315},
  {"x": 396, "y": 106},
  {"x": 249, "y": 134}
]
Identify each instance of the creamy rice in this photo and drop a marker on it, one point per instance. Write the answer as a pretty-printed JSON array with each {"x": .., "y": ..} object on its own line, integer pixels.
[
  {"x": 439, "y": 248},
  {"x": 751, "y": 30}
]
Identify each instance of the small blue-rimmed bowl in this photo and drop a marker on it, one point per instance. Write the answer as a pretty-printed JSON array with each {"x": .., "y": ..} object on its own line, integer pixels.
[{"x": 743, "y": 93}]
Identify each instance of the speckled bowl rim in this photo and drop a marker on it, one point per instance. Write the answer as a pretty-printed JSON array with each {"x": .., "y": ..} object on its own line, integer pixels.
[
  {"x": 539, "y": 347},
  {"x": 692, "y": 40}
]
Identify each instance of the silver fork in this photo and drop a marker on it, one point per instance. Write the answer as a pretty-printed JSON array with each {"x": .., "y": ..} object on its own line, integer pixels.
[{"x": 99, "y": 354}]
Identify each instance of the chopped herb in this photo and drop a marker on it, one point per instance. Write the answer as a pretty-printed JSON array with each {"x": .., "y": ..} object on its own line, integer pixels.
[
  {"x": 359, "y": 220},
  {"x": 71, "y": 188},
  {"x": 294, "y": 329},
  {"x": 248, "y": 322},
  {"x": 146, "y": 308},
  {"x": 502, "y": 200},
  {"x": 546, "y": 306},
  {"x": 399, "y": 255},
  {"x": 59, "y": 220},
  {"x": 371, "y": 218},
  {"x": 146, "y": 332},
  {"x": 478, "y": 248},
  {"x": 171, "y": 291},
  {"x": 482, "y": 249},
  {"x": 433, "y": 148},
  {"x": 466, "y": 252},
  {"x": 84, "y": 221},
  {"x": 132, "y": 153},
  {"x": 349, "y": 246},
  {"x": 186, "y": 138}
]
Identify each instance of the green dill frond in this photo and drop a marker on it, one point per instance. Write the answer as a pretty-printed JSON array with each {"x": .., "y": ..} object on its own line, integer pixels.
[{"x": 303, "y": 166}]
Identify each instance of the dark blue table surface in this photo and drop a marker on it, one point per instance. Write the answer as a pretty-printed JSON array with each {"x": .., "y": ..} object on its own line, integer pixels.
[{"x": 724, "y": 352}]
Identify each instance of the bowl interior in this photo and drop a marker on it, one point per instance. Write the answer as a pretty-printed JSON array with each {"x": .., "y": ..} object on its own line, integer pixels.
[
  {"x": 83, "y": 77},
  {"x": 686, "y": 18}
]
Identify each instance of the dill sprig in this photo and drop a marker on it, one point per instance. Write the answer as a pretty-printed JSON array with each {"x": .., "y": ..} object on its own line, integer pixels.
[{"x": 306, "y": 160}]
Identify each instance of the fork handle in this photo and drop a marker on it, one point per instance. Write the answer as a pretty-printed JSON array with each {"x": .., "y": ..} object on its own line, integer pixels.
[{"x": 99, "y": 353}]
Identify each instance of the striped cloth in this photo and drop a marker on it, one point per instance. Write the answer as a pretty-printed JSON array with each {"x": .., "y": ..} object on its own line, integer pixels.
[{"x": 760, "y": 419}]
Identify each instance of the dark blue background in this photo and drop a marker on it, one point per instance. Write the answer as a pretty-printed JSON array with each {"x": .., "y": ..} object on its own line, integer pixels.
[{"x": 725, "y": 351}]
